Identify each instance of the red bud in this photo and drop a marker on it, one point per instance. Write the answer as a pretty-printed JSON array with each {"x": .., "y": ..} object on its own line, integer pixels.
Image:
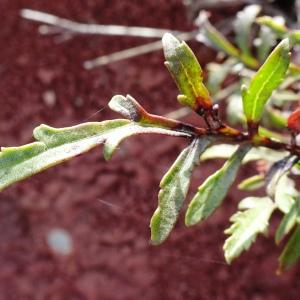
[{"x": 294, "y": 121}]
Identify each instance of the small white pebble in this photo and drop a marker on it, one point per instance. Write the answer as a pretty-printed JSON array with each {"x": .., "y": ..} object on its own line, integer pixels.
[
  {"x": 60, "y": 241},
  {"x": 49, "y": 98}
]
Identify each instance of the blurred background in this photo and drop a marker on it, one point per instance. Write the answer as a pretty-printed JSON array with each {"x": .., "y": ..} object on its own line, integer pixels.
[{"x": 80, "y": 230}]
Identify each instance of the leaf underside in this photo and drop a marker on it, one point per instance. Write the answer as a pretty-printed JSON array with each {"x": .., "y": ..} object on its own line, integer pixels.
[
  {"x": 55, "y": 146},
  {"x": 174, "y": 187}
]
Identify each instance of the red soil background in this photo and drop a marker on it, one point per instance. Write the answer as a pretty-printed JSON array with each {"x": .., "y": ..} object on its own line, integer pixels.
[{"x": 106, "y": 207}]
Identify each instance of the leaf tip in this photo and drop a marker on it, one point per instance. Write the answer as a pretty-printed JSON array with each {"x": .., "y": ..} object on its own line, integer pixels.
[
  {"x": 127, "y": 107},
  {"x": 170, "y": 42}
]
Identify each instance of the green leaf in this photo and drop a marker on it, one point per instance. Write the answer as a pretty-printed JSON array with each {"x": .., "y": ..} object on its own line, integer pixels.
[
  {"x": 213, "y": 37},
  {"x": 174, "y": 187},
  {"x": 285, "y": 194},
  {"x": 224, "y": 151},
  {"x": 267, "y": 79},
  {"x": 252, "y": 183},
  {"x": 291, "y": 252},
  {"x": 187, "y": 73},
  {"x": 246, "y": 226},
  {"x": 218, "y": 40},
  {"x": 212, "y": 192},
  {"x": 243, "y": 25},
  {"x": 288, "y": 222},
  {"x": 56, "y": 145}
]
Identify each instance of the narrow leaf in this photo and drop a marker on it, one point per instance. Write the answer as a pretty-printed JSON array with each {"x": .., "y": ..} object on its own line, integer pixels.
[
  {"x": 212, "y": 192},
  {"x": 218, "y": 40},
  {"x": 291, "y": 252},
  {"x": 246, "y": 226},
  {"x": 287, "y": 223},
  {"x": 211, "y": 36},
  {"x": 56, "y": 145},
  {"x": 252, "y": 183},
  {"x": 243, "y": 25},
  {"x": 224, "y": 151},
  {"x": 267, "y": 79},
  {"x": 174, "y": 187},
  {"x": 187, "y": 73}
]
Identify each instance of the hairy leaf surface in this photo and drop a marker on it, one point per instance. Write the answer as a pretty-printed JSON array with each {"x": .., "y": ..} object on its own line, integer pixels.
[
  {"x": 56, "y": 145},
  {"x": 174, "y": 187}
]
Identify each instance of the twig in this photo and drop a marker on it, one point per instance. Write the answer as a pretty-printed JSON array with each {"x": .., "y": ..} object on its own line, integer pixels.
[
  {"x": 123, "y": 54},
  {"x": 135, "y": 51},
  {"x": 82, "y": 28},
  {"x": 59, "y": 25}
]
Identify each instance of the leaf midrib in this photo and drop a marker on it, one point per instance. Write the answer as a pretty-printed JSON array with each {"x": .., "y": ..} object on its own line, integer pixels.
[{"x": 256, "y": 99}]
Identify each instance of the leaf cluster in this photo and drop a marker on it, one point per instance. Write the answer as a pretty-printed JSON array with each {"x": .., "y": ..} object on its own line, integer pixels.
[{"x": 278, "y": 152}]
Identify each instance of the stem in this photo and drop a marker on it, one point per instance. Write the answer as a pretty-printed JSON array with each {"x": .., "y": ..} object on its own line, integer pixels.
[{"x": 224, "y": 132}]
